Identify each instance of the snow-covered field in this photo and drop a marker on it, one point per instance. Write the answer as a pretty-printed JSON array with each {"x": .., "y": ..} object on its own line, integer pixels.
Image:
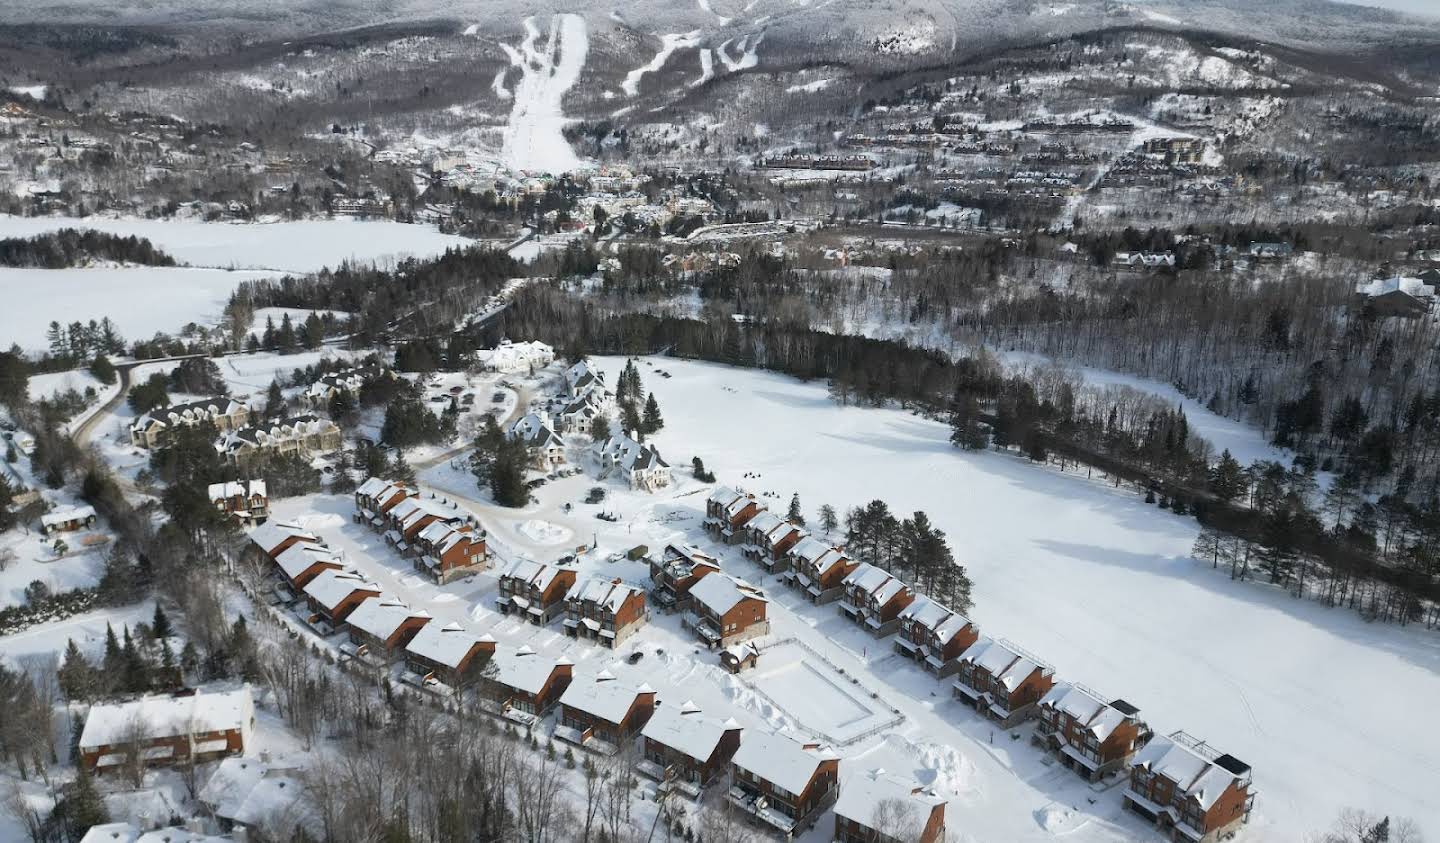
[
  {"x": 140, "y": 301},
  {"x": 533, "y": 139},
  {"x": 1103, "y": 586},
  {"x": 296, "y": 246}
]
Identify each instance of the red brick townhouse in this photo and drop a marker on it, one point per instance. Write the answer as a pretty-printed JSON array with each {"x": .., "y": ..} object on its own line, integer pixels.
[
  {"x": 380, "y": 628},
  {"x": 685, "y": 749},
  {"x": 534, "y": 591},
  {"x": 783, "y": 784},
  {"x": 604, "y": 712},
  {"x": 165, "y": 729},
  {"x": 302, "y": 562},
  {"x": 819, "y": 570},
  {"x": 1002, "y": 681},
  {"x": 727, "y": 512},
  {"x": 448, "y": 552},
  {"x": 725, "y": 611},
  {"x": 274, "y": 538},
  {"x": 409, "y": 517},
  {"x": 1088, "y": 734},
  {"x": 677, "y": 570},
  {"x": 375, "y": 497},
  {"x": 768, "y": 538},
  {"x": 877, "y": 807},
  {"x": 874, "y": 599},
  {"x": 934, "y": 637},
  {"x": 449, "y": 655},
  {"x": 521, "y": 680},
  {"x": 333, "y": 595},
  {"x": 1190, "y": 791},
  {"x": 604, "y": 611}
]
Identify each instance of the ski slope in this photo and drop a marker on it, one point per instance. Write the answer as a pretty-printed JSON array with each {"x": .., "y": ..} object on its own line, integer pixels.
[{"x": 534, "y": 139}]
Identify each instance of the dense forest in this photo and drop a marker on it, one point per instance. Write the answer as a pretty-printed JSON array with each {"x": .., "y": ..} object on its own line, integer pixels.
[{"x": 75, "y": 247}]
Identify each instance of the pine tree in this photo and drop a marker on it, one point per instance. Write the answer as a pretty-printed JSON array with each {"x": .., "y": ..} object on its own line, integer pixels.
[
  {"x": 402, "y": 472},
  {"x": 965, "y": 430},
  {"x": 160, "y": 624},
  {"x": 136, "y": 670},
  {"x": 113, "y": 663},
  {"x": 600, "y": 428},
  {"x": 796, "y": 515},
  {"x": 828, "y": 519},
  {"x": 652, "y": 422},
  {"x": 76, "y": 675},
  {"x": 84, "y": 809},
  {"x": 1227, "y": 478}
]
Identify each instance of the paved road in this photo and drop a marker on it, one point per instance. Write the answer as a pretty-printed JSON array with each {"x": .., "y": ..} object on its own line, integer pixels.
[{"x": 522, "y": 401}]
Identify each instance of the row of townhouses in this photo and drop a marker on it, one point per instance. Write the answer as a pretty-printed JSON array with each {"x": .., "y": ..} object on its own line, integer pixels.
[
  {"x": 1176, "y": 781},
  {"x": 242, "y": 440},
  {"x": 442, "y": 540}
]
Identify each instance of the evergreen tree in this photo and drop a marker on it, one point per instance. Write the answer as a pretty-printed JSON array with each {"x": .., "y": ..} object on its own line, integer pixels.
[
  {"x": 77, "y": 677},
  {"x": 796, "y": 515},
  {"x": 1227, "y": 478},
  {"x": 113, "y": 662},
  {"x": 136, "y": 670},
  {"x": 103, "y": 370},
  {"x": 965, "y": 429},
  {"x": 600, "y": 428},
  {"x": 83, "y": 808},
  {"x": 829, "y": 520},
  {"x": 651, "y": 422},
  {"x": 160, "y": 624},
  {"x": 507, "y": 474}
]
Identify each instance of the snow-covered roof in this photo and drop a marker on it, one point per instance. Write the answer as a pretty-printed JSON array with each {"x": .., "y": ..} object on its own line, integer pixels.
[
  {"x": 297, "y": 558},
  {"x": 414, "y": 507},
  {"x": 111, "y": 833},
  {"x": 862, "y": 793},
  {"x": 446, "y": 645},
  {"x": 535, "y": 573},
  {"x": 1194, "y": 774},
  {"x": 610, "y": 594},
  {"x": 810, "y": 549},
  {"x": 66, "y": 515},
  {"x": 522, "y": 668},
  {"x": 382, "y": 616},
  {"x": 1002, "y": 660},
  {"x": 680, "y": 559},
  {"x": 1091, "y": 711},
  {"x": 603, "y": 696},
  {"x": 251, "y": 792},
  {"x": 867, "y": 578},
  {"x": 764, "y": 522},
  {"x": 779, "y": 760},
  {"x": 167, "y": 715},
  {"x": 723, "y": 496},
  {"x": 936, "y": 617},
  {"x": 272, "y": 534},
  {"x": 535, "y": 431},
  {"x": 720, "y": 593},
  {"x": 1410, "y": 286},
  {"x": 178, "y": 834},
  {"x": 371, "y": 487},
  {"x": 237, "y": 489},
  {"x": 687, "y": 730},
  {"x": 333, "y": 586}
]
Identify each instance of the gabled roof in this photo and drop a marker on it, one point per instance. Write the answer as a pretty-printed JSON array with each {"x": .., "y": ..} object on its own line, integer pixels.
[
  {"x": 610, "y": 594},
  {"x": 382, "y": 616},
  {"x": 862, "y": 793},
  {"x": 1195, "y": 775},
  {"x": 332, "y": 586},
  {"x": 1092, "y": 712},
  {"x": 723, "y": 496},
  {"x": 299, "y": 557},
  {"x": 603, "y": 696},
  {"x": 780, "y": 760},
  {"x": 680, "y": 560},
  {"x": 809, "y": 549},
  {"x": 446, "y": 645},
  {"x": 272, "y": 534},
  {"x": 535, "y": 432},
  {"x": 764, "y": 522},
  {"x": 1002, "y": 660},
  {"x": 535, "y": 573},
  {"x": 371, "y": 487},
  {"x": 522, "y": 668},
  {"x": 168, "y": 715},
  {"x": 720, "y": 593},
  {"x": 868, "y": 578},
  {"x": 936, "y": 617},
  {"x": 687, "y": 730}
]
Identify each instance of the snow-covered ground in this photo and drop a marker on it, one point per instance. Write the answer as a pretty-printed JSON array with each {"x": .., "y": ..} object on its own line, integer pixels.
[
  {"x": 533, "y": 139},
  {"x": 140, "y": 301},
  {"x": 1103, "y": 586},
  {"x": 1088, "y": 577},
  {"x": 292, "y": 246}
]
